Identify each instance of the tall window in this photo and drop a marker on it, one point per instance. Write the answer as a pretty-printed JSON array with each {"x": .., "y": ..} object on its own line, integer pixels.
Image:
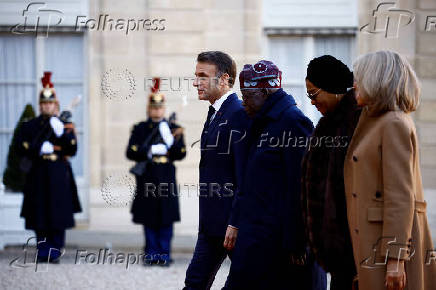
[
  {"x": 24, "y": 59},
  {"x": 292, "y": 54}
]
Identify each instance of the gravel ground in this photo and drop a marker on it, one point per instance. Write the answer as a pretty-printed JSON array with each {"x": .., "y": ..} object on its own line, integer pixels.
[{"x": 69, "y": 275}]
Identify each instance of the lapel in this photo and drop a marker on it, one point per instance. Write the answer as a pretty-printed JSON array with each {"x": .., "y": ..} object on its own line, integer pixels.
[
  {"x": 363, "y": 122},
  {"x": 219, "y": 115},
  {"x": 218, "y": 120}
]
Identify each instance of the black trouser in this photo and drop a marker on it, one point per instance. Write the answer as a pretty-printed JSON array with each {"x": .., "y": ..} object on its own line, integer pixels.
[
  {"x": 341, "y": 280},
  {"x": 260, "y": 262},
  {"x": 50, "y": 243},
  {"x": 158, "y": 244},
  {"x": 208, "y": 256}
]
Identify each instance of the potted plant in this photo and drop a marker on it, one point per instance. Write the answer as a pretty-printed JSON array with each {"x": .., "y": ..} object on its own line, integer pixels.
[{"x": 12, "y": 229}]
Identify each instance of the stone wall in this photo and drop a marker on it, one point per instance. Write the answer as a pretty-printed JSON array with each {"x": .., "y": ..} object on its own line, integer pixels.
[{"x": 190, "y": 27}]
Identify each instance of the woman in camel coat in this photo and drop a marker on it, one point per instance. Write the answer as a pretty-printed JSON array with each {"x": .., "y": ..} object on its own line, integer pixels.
[{"x": 386, "y": 210}]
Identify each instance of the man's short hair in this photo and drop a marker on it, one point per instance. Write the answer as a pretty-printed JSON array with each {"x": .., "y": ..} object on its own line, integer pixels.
[{"x": 223, "y": 62}]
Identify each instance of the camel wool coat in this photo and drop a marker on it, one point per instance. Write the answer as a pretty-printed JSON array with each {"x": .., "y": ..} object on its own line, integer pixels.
[{"x": 385, "y": 202}]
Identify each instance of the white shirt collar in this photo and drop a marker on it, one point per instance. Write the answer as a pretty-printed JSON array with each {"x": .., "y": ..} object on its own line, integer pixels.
[{"x": 218, "y": 103}]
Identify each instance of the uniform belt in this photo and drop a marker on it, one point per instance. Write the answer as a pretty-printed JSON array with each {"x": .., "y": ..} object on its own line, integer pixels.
[
  {"x": 51, "y": 157},
  {"x": 160, "y": 159}
]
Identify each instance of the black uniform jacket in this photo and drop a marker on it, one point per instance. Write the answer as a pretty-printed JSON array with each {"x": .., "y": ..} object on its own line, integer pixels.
[
  {"x": 156, "y": 203},
  {"x": 50, "y": 191}
]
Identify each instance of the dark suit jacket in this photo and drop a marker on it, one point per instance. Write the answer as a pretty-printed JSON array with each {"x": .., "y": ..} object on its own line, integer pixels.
[
  {"x": 221, "y": 167},
  {"x": 50, "y": 192}
]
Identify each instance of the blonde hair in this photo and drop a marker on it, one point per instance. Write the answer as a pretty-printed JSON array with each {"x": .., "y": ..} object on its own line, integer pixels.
[{"x": 387, "y": 82}]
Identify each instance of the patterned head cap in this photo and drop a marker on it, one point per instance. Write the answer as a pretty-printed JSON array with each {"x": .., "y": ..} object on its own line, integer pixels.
[{"x": 263, "y": 74}]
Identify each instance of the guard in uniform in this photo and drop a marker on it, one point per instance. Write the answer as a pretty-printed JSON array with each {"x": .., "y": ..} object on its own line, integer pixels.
[
  {"x": 50, "y": 193},
  {"x": 156, "y": 143}
]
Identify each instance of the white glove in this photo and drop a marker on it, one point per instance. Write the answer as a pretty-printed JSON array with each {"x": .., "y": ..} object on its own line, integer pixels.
[
  {"x": 159, "y": 149},
  {"x": 47, "y": 148},
  {"x": 165, "y": 132},
  {"x": 57, "y": 125}
]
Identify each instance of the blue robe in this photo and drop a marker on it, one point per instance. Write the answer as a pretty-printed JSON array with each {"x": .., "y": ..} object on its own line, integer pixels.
[{"x": 271, "y": 230}]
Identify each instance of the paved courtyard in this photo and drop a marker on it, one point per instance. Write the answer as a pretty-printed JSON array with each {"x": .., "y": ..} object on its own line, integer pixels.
[
  {"x": 77, "y": 273},
  {"x": 69, "y": 275}
]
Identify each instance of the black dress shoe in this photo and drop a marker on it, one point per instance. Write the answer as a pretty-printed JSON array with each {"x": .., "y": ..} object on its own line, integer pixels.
[
  {"x": 55, "y": 261},
  {"x": 150, "y": 263},
  {"x": 42, "y": 260},
  {"x": 165, "y": 263},
  {"x": 47, "y": 260}
]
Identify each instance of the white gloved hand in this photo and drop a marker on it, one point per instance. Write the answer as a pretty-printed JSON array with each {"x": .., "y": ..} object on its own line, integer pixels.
[
  {"x": 165, "y": 132},
  {"x": 159, "y": 149},
  {"x": 57, "y": 125},
  {"x": 47, "y": 148}
]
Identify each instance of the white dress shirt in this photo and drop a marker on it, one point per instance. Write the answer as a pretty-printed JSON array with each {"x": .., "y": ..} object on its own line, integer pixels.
[{"x": 218, "y": 103}]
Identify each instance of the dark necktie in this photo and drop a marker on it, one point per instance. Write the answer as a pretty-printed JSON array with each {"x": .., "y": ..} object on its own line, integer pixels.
[
  {"x": 209, "y": 116},
  {"x": 206, "y": 126}
]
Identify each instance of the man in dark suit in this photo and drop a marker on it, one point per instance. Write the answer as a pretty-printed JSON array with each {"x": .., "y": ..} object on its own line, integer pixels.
[
  {"x": 270, "y": 250},
  {"x": 220, "y": 167}
]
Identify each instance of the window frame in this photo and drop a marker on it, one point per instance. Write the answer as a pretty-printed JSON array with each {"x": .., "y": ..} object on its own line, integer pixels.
[{"x": 82, "y": 181}]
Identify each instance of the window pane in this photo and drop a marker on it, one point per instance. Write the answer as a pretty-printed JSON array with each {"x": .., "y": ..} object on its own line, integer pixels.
[
  {"x": 17, "y": 85},
  {"x": 64, "y": 58},
  {"x": 17, "y": 57},
  {"x": 303, "y": 102},
  {"x": 288, "y": 54},
  {"x": 337, "y": 46}
]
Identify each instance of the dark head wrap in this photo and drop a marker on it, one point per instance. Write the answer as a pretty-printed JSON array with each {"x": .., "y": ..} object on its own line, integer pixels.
[{"x": 330, "y": 74}]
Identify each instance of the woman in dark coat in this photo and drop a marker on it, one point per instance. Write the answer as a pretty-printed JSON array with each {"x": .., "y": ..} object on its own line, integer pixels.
[
  {"x": 329, "y": 85},
  {"x": 156, "y": 205}
]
